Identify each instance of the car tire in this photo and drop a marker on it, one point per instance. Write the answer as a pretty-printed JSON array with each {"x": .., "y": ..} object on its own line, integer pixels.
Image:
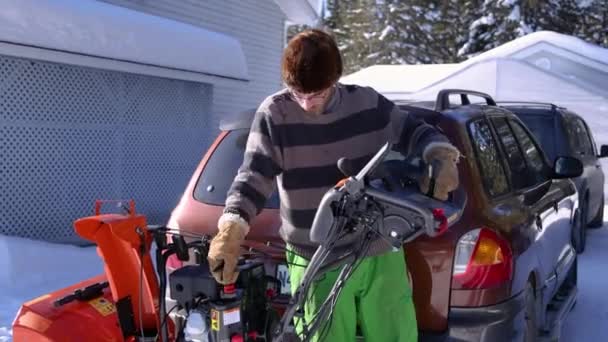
[
  {"x": 531, "y": 323},
  {"x": 579, "y": 232},
  {"x": 598, "y": 220}
]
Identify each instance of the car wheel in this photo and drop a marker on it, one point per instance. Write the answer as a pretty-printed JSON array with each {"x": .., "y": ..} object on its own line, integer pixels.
[
  {"x": 531, "y": 332},
  {"x": 579, "y": 233},
  {"x": 598, "y": 220}
]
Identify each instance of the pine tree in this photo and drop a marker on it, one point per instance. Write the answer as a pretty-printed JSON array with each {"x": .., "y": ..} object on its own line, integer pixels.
[
  {"x": 389, "y": 40},
  {"x": 552, "y": 15},
  {"x": 372, "y": 32},
  {"x": 421, "y": 31},
  {"x": 451, "y": 29},
  {"x": 593, "y": 26},
  {"x": 419, "y": 27},
  {"x": 501, "y": 22},
  {"x": 356, "y": 32}
]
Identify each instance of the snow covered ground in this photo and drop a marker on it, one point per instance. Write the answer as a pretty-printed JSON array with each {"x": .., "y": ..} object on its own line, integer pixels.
[
  {"x": 29, "y": 269},
  {"x": 590, "y": 315}
]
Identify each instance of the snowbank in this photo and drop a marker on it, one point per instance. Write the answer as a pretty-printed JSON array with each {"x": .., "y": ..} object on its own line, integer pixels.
[
  {"x": 29, "y": 269},
  {"x": 37, "y": 264}
]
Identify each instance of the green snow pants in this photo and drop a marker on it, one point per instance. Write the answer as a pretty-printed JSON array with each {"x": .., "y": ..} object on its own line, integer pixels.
[{"x": 377, "y": 297}]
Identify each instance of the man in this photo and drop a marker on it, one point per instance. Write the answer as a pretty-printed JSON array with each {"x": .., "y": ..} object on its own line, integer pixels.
[{"x": 296, "y": 139}]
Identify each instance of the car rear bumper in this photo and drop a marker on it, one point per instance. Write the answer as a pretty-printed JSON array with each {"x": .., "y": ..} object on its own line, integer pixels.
[{"x": 500, "y": 322}]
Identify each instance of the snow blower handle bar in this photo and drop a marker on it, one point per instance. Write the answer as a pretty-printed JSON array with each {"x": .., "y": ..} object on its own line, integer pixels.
[{"x": 360, "y": 209}]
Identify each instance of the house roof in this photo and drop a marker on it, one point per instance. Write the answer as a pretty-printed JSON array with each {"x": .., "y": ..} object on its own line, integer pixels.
[
  {"x": 570, "y": 43},
  {"x": 97, "y": 29},
  {"x": 406, "y": 79}
]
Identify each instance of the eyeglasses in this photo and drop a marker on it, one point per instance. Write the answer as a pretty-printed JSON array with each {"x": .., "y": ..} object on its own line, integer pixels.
[{"x": 310, "y": 97}]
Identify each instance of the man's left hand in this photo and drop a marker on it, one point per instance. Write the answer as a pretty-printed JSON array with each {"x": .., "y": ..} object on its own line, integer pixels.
[{"x": 444, "y": 158}]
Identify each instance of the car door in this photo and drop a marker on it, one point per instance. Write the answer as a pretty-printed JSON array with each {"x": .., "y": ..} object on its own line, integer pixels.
[
  {"x": 581, "y": 148},
  {"x": 554, "y": 208},
  {"x": 594, "y": 168},
  {"x": 530, "y": 182}
]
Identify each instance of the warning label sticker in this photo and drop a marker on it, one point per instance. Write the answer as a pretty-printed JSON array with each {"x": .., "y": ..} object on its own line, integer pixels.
[
  {"x": 215, "y": 320},
  {"x": 103, "y": 306},
  {"x": 232, "y": 316}
]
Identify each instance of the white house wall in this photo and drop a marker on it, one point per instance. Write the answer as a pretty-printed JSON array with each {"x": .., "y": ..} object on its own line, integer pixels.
[
  {"x": 258, "y": 24},
  {"x": 72, "y": 134},
  {"x": 75, "y": 131}
]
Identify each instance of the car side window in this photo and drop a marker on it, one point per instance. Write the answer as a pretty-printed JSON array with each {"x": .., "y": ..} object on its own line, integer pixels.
[
  {"x": 491, "y": 169},
  {"x": 585, "y": 138},
  {"x": 515, "y": 158},
  {"x": 532, "y": 154},
  {"x": 578, "y": 137}
]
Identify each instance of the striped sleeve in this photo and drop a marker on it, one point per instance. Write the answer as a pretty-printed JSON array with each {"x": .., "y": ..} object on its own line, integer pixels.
[
  {"x": 255, "y": 179},
  {"x": 409, "y": 134}
]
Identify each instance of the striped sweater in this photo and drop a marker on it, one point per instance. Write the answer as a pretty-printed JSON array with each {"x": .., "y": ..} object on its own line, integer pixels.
[{"x": 298, "y": 153}]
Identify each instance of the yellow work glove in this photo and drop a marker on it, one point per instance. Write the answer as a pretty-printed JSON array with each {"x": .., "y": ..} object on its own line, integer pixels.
[
  {"x": 225, "y": 248},
  {"x": 444, "y": 157}
]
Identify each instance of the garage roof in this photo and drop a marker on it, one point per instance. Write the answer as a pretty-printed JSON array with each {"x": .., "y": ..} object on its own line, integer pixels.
[{"x": 97, "y": 29}]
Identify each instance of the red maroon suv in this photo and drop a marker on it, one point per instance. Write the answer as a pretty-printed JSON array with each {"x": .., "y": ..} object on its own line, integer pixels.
[{"x": 505, "y": 272}]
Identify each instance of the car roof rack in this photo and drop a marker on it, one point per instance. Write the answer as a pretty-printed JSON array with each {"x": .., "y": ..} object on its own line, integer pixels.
[
  {"x": 528, "y": 104},
  {"x": 443, "y": 98},
  {"x": 430, "y": 105}
]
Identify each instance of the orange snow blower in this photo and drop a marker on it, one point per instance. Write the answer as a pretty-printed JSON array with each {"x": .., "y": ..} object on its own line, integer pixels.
[
  {"x": 120, "y": 305},
  {"x": 128, "y": 302}
]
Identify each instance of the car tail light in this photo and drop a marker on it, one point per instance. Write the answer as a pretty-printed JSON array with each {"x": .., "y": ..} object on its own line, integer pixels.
[{"x": 483, "y": 259}]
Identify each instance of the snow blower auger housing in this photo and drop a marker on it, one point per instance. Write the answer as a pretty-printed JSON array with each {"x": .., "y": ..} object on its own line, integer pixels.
[{"x": 111, "y": 307}]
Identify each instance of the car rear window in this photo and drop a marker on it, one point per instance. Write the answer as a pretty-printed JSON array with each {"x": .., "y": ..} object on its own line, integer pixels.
[
  {"x": 543, "y": 127},
  {"x": 486, "y": 152},
  {"x": 221, "y": 168}
]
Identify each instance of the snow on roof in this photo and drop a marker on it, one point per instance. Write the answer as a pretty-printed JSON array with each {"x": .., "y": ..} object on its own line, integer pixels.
[
  {"x": 399, "y": 78},
  {"x": 507, "y": 79},
  {"x": 102, "y": 30},
  {"x": 405, "y": 79},
  {"x": 570, "y": 43}
]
